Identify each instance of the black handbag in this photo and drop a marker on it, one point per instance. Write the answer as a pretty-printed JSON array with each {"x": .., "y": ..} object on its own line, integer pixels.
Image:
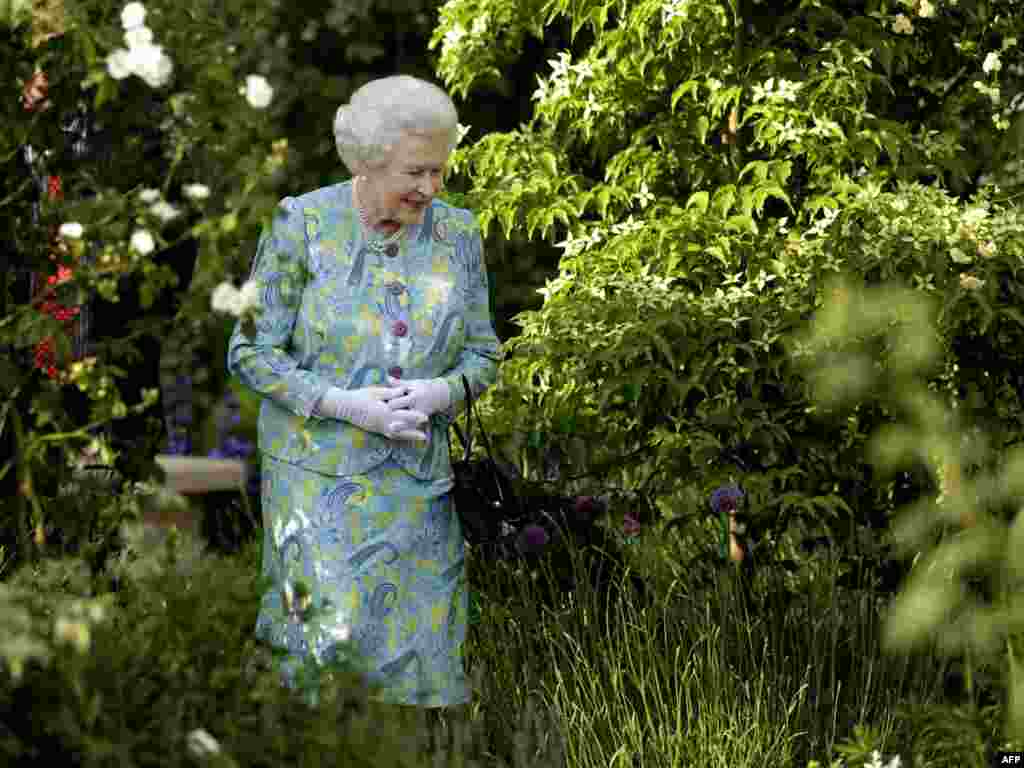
[{"x": 484, "y": 493}]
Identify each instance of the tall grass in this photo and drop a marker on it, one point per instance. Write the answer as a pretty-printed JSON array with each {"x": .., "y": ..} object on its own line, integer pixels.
[
  {"x": 695, "y": 676},
  {"x": 704, "y": 671}
]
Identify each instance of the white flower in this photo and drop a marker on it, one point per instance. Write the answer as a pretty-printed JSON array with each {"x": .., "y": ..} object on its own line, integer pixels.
[
  {"x": 788, "y": 90},
  {"x": 201, "y": 744},
  {"x": 925, "y": 10},
  {"x": 902, "y": 25},
  {"x": 226, "y": 299},
  {"x": 876, "y": 761},
  {"x": 970, "y": 282},
  {"x": 992, "y": 63},
  {"x": 138, "y": 37},
  {"x": 151, "y": 64},
  {"x": 453, "y": 36},
  {"x": 71, "y": 230},
  {"x": 164, "y": 211},
  {"x": 643, "y": 196},
  {"x": 119, "y": 64},
  {"x": 196, "y": 191},
  {"x": 73, "y": 633},
  {"x": 258, "y": 91},
  {"x": 142, "y": 242},
  {"x": 133, "y": 15},
  {"x": 249, "y": 295},
  {"x": 149, "y": 195}
]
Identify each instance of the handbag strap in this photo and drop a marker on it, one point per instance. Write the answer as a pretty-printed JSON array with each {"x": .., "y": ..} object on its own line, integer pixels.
[{"x": 467, "y": 440}]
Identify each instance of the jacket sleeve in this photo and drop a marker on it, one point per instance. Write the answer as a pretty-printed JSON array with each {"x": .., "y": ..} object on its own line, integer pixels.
[
  {"x": 264, "y": 363},
  {"x": 480, "y": 355}
]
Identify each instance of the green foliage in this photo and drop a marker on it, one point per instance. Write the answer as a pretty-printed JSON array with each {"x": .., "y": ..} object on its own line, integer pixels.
[
  {"x": 130, "y": 676},
  {"x": 198, "y": 128},
  {"x": 965, "y": 593},
  {"x": 665, "y": 322},
  {"x": 710, "y": 165}
]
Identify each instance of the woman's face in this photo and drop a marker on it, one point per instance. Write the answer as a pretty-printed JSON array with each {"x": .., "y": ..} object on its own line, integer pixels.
[{"x": 398, "y": 194}]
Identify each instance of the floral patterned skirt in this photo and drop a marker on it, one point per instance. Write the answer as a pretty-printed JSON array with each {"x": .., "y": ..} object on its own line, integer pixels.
[{"x": 382, "y": 556}]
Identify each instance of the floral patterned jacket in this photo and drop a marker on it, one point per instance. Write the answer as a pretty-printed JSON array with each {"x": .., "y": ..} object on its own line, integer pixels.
[{"x": 336, "y": 312}]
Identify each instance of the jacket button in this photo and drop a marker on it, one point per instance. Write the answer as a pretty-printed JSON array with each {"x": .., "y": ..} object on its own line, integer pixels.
[
  {"x": 391, "y": 250},
  {"x": 396, "y": 372},
  {"x": 399, "y": 329}
]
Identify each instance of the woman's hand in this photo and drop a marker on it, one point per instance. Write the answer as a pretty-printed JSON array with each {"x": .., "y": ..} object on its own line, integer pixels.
[
  {"x": 427, "y": 396},
  {"x": 369, "y": 408}
]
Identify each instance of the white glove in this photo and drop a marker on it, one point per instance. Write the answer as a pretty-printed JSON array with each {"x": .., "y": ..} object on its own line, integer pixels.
[
  {"x": 368, "y": 408},
  {"x": 427, "y": 396}
]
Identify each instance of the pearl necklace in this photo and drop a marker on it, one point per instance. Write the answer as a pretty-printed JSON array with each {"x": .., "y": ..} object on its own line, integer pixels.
[{"x": 375, "y": 244}]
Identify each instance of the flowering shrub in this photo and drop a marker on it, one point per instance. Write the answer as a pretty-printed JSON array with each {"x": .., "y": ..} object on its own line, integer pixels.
[{"x": 113, "y": 206}]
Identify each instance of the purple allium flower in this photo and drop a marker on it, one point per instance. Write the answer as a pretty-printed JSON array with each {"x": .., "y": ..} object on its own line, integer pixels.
[
  {"x": 532, "y": 539},
  {"x": 726, "y": 499},
  {"x": 585, "y": 508},
  {"x": 630, "y": 526}
]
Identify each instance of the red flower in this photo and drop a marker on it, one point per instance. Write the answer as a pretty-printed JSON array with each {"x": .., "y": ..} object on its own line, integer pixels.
[
  {"x": 54, "y": 188},
  {"x": 36, "y": 90}
]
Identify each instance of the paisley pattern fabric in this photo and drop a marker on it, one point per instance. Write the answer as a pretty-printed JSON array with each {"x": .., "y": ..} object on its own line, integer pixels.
[
  {"x": 337, "y": 313},
  {"x": 366, "y": 523},
  {"x": 384, "y": 560}
]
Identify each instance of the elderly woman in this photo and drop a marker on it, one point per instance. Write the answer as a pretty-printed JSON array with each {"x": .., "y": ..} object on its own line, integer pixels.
[{"x": 374, "y": 304}]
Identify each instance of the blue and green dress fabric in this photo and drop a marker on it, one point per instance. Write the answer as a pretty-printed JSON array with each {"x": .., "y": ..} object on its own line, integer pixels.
[{"x": 360, "y": 526}]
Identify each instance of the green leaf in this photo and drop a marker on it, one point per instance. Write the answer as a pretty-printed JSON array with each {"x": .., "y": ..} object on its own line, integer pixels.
[
  {"x": 818, "y": 202},
  {"x": 760, "y": 168},
  {"x": 603, "y": 196},
  {"x": 763, "y": 193},
  {"x": 484, "y": 220},
  {"x": 533, "y": 220},
  {"x": 507, "y": 216},
  {"x": 747, "y": 200},
  {"x": 959, "y": 256},
  {"x": 689, "y": 87},
  {"x": 702, "y": 129},
  {"x": 699, "y": 199},
  {"x": 550, "y": 163},
  {"x": 666, "y": 349},
  {"x": 723, "y": 200},
  {"x": 1014, "y": 314},
  {"x": 106, "y": 92},
  {"x": 562, "y": 216},
  {"x": 741, "y": 223}
]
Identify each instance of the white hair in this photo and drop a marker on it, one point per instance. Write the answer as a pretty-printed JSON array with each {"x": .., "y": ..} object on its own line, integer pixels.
[{"x": 382, "y": 112}]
